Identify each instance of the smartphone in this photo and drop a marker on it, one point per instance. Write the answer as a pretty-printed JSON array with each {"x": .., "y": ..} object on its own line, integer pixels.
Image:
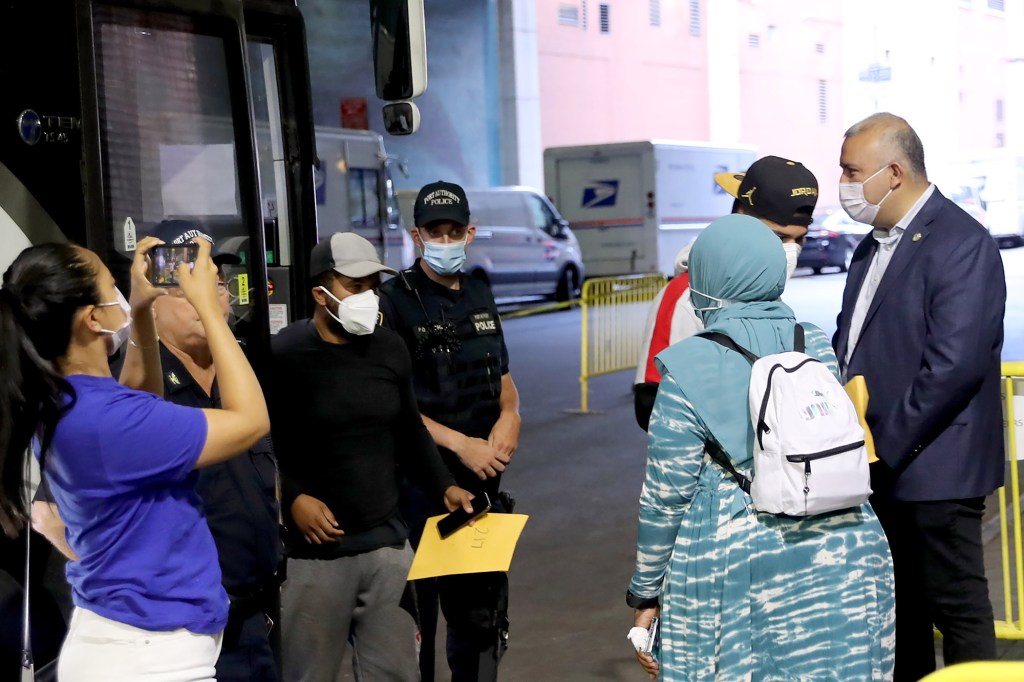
[
  {"x": 165, "y": 259},
  {"x": 459, "y": 518},
  {"x": 652, "y": 636}
]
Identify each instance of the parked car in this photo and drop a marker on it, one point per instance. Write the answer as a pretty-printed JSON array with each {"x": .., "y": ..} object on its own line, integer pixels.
[
  {"x": 523, "y": 246},
  {"x": 830, "y": 242}
]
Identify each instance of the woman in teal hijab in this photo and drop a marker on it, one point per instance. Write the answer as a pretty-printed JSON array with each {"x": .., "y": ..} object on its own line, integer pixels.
[{"x": 744, "y": 595}]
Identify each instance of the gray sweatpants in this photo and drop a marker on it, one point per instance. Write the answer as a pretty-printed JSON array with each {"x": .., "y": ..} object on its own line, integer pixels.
[{"x": 326, "y": 603}]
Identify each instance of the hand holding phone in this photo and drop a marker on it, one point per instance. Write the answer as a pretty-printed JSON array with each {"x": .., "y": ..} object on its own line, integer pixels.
[
  {"x": 652, "y": 636},
  {"x": 165, "y": 259},
  {"x": 459, "y": 518}
]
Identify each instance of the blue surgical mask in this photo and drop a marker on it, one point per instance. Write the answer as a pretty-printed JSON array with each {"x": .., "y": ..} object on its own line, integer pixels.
[{"x": 445, "y": 259}]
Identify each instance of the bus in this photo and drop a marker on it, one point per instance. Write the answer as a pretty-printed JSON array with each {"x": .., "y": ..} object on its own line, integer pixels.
[{"x": 118, "y": 114}]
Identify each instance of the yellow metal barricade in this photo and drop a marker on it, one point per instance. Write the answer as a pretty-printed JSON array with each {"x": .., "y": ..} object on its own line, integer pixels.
[
  {"x": 614, "y": 312},
  {"x": 1011, "y": 627},
  {"x": 980, "y": 671}
]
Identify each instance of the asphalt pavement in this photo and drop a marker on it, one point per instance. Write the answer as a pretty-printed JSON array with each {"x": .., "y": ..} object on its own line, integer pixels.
[{"x": 578, "y": 477}]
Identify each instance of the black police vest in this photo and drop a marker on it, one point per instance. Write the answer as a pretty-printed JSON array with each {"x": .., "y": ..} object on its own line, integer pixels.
[{"x": 455, "y": 340}]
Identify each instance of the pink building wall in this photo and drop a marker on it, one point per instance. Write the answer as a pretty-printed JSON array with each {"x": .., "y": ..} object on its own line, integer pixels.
[
  {"x": 635, "y": 82},
  {"x": 791, "y": 86},
  {"x": 982, "y": 46},
  {"x": 640, "y": 81}
]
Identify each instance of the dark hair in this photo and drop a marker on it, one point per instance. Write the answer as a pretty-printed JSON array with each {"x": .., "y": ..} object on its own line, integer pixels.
[
  {"x": 42, "y": 290},
  {"x": 325, "y": 279}
]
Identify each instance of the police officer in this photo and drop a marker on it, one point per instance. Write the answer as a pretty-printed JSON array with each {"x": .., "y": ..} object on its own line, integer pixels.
[
  {"x": 239, "y": 495},
  {"x": 471, "y": 408}
]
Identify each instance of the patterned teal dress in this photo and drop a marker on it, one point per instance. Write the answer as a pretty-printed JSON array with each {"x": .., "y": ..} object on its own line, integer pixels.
[{"x": 747, "y": 595}]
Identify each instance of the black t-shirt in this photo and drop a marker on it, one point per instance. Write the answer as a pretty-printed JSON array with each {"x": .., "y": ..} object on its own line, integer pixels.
[
  {"x": 344, "y": 421},
  {"x": 239, "y": 495},
  {"x": 459, "y": 355}
]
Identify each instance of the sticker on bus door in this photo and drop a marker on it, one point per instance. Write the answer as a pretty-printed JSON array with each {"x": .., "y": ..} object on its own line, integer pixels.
[{"x": 129, "y": 234}]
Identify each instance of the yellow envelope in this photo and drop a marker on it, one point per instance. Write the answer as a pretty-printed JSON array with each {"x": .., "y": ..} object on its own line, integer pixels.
[
  {"x": 485, "y": 546},
  {"x": 857, "y": 389}
]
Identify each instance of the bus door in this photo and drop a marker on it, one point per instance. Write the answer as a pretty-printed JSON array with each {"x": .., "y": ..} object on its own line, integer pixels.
[
  {"x": 281, "y": 110},
  {"x": 167, "y": 133}
]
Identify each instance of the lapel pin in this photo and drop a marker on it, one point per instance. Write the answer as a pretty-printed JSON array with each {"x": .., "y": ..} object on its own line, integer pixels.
[{"x": 917, "y": 236}]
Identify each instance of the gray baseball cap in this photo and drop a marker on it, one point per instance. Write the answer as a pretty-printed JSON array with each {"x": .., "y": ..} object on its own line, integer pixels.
[{"x": 348, "y": 254}]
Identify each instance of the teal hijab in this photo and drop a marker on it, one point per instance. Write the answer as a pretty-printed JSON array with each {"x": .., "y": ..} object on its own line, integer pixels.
[{"x": 740, "y": 260}]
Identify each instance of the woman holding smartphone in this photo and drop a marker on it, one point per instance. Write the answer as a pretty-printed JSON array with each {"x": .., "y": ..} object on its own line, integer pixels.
[{"x": 120, "y": 463}]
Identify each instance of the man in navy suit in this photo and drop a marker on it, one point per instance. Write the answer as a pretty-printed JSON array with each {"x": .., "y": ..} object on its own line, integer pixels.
[{"x": 922, "y": 321}]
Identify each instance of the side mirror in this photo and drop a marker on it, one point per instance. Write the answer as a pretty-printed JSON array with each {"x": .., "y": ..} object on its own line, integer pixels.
[
  {"x": 401, "y": 118},
  {"x": 399, "y": 48},
  {"x": 561, "y": 228}
]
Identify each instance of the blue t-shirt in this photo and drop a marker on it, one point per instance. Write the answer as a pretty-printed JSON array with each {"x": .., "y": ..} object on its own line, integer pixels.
[{"x": 121, "y": 469}]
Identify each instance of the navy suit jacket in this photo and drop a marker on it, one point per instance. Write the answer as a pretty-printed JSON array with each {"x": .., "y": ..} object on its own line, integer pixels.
[{"x": 929, "y": 351}]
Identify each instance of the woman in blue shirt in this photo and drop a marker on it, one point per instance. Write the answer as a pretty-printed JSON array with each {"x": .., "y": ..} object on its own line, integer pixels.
[
  {"x": 745, "y": 595},
  {"x": 121, "y": 463}
]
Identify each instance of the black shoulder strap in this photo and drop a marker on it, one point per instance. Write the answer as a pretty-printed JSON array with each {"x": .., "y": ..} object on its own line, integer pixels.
[
  {"x": 798, "y": 339},
  {"x": 716, "y": 453},
  {"x": 726, "y": 341}
]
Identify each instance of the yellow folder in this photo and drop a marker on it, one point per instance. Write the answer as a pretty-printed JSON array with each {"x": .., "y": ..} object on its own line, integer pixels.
[
  {"x": 487, "y": 545},
  {"x": 857, "y": 389}
]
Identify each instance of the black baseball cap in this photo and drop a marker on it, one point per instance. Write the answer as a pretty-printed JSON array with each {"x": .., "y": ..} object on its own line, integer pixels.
[
  {"x": 177, "y": 231},
  {"x": 778, "y": 189},
  {"x": 441, "y": 201}
]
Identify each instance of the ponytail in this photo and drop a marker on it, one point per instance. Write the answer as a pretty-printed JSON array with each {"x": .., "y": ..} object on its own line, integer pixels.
[{"x": 42, "y": 290}]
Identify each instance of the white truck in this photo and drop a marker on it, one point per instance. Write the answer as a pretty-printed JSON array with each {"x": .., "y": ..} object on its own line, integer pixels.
[
  {"x": 634, "y": 205},
  {"x": 994, "y": 180},
  {"x": 355, "y": 193}
]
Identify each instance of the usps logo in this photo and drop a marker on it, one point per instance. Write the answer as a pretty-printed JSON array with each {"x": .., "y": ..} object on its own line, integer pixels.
[{"x": 600, "y": 193}]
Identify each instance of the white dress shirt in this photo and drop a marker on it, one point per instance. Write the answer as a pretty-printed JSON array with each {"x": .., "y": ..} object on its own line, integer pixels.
[{"x": 887, "y": 243}]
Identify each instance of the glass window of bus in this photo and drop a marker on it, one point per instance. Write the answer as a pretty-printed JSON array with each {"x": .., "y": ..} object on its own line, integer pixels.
[{"x": 167, "y": 130}]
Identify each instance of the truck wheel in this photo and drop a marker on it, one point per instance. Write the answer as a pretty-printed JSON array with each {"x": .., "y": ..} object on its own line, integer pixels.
[{"x": 568, "y": 285}]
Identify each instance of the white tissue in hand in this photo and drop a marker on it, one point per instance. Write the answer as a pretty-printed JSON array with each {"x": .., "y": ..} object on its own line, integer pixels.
[{"x": 638, "y": 637}]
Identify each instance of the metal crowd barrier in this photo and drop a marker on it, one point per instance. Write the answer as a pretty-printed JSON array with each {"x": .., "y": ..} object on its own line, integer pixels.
[
  {"x": 1011, "y": 627},
  {"x": 614, "y": 311}
]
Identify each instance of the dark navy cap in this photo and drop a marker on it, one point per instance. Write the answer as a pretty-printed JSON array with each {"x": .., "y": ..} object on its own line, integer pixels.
[{"x": 178, "y": 231}]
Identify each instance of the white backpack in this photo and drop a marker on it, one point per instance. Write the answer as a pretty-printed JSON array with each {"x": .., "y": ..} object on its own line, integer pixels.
[{"x": 809, "y": 453}]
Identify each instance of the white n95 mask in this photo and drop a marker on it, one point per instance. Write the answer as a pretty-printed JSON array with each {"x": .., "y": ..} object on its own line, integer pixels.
[
  {"x": 792, "y": 256},
  {"x": 358, "y": 313}
]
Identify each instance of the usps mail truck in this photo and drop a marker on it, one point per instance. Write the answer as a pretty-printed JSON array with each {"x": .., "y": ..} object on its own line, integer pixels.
[{"x": 634, "y": 205}]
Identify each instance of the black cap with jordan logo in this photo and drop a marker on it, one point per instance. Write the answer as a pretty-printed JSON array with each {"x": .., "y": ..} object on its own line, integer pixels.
[{"x": 778, "y": 189}]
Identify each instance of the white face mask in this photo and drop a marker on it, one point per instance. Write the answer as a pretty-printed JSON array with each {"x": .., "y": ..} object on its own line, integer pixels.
[
  {"x": 357, "y": 313},
  {"x": 851, "y": 196},
  {"x": 702, "y": 309},
  {"x": 792, "y": 255},
  {"x": 118, "y": 336}
]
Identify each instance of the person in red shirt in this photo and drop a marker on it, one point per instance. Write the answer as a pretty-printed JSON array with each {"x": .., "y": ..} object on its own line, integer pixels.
[{"x": 780, "y": 193}]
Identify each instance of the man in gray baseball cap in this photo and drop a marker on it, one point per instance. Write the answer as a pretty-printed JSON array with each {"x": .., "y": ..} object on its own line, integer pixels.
[
  {"x": 347, "y": 254},
  {"x": 345, "y": 421}
]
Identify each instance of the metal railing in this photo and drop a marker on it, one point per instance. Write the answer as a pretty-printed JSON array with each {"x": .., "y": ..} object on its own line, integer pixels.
[
  {"x": 614, "y": 312},
  {"x": 1011, "y": 627}
]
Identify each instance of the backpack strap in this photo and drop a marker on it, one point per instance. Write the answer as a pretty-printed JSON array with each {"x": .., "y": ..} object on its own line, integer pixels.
[
  {"x": 726, "y": 341},
  {"x": 716, "y": 453},
  {"x": 798, "y": 339}
]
